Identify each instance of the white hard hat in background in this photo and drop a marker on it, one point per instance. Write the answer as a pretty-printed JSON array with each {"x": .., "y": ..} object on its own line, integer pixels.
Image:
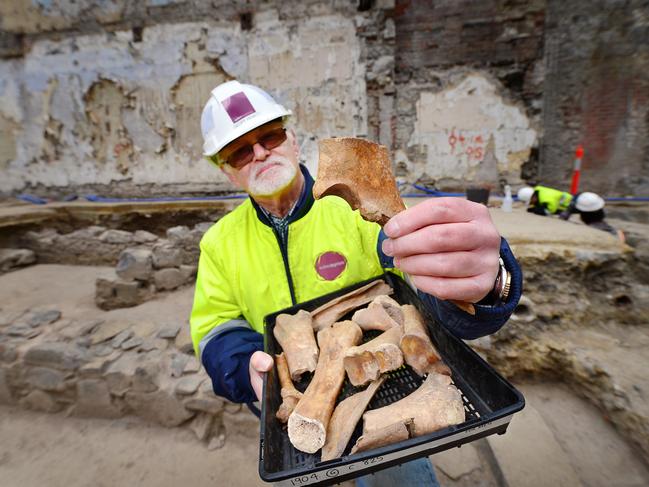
[
  {"x": 234, "y": 109},
  {"x": 525, "y": 194},
  {"x": 589, "y": 202}
]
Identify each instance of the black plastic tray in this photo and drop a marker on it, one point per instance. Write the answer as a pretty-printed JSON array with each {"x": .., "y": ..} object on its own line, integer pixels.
[{"x": 489, "y": 401}]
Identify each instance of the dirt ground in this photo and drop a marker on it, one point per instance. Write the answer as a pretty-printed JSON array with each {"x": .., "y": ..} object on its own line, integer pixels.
[{"x": 56, "y": 451}]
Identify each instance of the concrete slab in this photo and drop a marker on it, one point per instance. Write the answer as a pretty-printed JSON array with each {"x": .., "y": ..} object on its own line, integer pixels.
[{"x": 529, "y": 455}]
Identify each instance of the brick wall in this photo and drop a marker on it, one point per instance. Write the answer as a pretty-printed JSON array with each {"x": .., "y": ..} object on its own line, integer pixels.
[{"x": 597, "y": 94}]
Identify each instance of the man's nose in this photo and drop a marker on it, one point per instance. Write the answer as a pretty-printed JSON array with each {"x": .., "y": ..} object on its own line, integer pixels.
[{"x": 260, "y": 151}]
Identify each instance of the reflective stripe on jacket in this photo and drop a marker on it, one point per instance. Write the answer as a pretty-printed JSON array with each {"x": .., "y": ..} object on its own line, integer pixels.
[
  {"x": 244, "y": 273},
  {"x": 553, "y": 199}
]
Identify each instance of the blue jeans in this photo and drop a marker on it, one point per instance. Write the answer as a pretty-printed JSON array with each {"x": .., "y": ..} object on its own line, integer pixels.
[{"x": 418, "y": 472}]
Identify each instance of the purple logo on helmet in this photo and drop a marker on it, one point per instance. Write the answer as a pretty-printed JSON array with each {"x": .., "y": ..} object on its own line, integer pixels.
[
  {"x": 330, "y": 265},
  {"x": 238, "y": 106}
]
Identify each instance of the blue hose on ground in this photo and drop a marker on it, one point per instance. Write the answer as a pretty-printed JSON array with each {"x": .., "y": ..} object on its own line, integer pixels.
[{"x": 29, "y": 198}]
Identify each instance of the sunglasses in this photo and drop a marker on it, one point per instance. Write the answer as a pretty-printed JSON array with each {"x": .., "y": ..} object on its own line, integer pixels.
[{"x": 245, "y": 154}]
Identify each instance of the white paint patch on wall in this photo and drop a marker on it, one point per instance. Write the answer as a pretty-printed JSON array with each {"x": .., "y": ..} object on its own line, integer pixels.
[
  {"x": 313, "y": 67},
  {"x": 454, "y": 127}
]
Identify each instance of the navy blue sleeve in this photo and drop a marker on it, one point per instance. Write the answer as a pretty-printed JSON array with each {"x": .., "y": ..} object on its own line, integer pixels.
[
  {"x": 488, "y": 319},
  {"x": 226, "y": 357}
]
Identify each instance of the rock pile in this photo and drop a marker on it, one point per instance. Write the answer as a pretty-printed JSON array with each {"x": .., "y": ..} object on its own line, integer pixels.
[
  {"x": 14, "y": 258},
  {"x": 112, "y": 369},
  {"x": 161, "y": 265}
]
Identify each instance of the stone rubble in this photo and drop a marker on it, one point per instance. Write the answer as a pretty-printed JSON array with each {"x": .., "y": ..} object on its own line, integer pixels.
[
  {"x": 14, "y": 258},
  {"x": 122, "y": 369}
]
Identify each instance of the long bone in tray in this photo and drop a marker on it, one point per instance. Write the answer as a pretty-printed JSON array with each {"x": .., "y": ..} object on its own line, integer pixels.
[{"x": 360, "y": 172}]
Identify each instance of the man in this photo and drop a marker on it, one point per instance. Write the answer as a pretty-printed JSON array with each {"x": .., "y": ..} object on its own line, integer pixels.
[
  {"x": 269, "y": 253},
  {"x": 590, "y": 207},
  {"x": 543, "y": 200}
]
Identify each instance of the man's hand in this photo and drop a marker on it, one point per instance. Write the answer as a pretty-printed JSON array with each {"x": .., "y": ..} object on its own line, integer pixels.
[
  {"x": 449, "y": 246},
  {"x": 260, "y": 362}
]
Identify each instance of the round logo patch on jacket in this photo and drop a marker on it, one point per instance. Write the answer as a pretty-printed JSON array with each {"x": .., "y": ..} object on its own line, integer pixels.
[{"x": 330, "y": 265}]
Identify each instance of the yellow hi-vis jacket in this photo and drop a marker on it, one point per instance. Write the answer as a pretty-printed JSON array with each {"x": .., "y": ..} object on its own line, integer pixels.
[
  {"x": 245, "y": 273},
  {"x": 553, "y": 199}
]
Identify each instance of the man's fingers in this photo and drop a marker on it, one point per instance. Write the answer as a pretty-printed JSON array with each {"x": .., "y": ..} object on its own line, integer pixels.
[
  {"x": 261, "y": 362},
  {"x": 446, "y": 264},
  {"x": 432, "y": 211},
  {"x": 471, "y": 289},
  {"x": 434, "y": 238}
]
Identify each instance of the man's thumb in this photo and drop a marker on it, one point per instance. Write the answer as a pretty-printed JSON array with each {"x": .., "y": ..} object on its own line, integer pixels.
[{"x": 261, "y": 362}]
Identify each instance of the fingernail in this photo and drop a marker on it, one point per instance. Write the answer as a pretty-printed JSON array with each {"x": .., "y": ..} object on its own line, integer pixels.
[
  {"x": 396, "y": 261},
  {"x": 387, "y": 247},
  {"x": 391, "y": 228}
]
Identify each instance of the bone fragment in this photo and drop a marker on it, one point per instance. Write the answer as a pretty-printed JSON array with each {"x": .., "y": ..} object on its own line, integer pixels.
[
  {"x": 418, "y": 350},
  {"x": 294, "y": 333},
  {"x": 436, "y": 404},
  {"x": 366, "y": 362},
  {"x": 290, "y": 395},
  {"x": 343, "y": 420},
  {"x": 360, "y": 172},
  {"x": 387, "y": 435},
  {"x": 381, "y": 314},
  {"x": 330, "y": 312},
  {"x": 307, "y": 425}
]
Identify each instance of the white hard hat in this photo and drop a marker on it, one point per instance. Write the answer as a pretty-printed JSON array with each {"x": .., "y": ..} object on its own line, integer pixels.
[
  {"x": 589, "y": 202},
  {"x": 234, "y": 109},
  {"x": 525, "y": 194}
]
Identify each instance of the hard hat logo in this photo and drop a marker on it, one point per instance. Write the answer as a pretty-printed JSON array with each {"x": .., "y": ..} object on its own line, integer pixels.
[
  {"x": 238, "y": 106},
  {"x": 234, "y": 109}
]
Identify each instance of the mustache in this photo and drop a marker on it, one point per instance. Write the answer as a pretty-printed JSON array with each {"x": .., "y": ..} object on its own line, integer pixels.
[{"x": 272, "y": 160}]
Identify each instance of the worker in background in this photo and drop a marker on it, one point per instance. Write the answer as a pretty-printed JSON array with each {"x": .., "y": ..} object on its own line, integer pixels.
[
  {"x": 542, "y": 200},
  {"x": 265, "y": 255},
  {"x": 590, "y": 207}
]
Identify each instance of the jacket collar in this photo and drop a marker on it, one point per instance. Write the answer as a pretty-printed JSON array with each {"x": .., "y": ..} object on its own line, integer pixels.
[{"x": 304, "y": 203}]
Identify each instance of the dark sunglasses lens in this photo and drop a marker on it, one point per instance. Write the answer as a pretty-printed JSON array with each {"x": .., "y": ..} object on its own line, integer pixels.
[
  {"x": 273, "y": 139},
  {"x": 241, "y": 157}
]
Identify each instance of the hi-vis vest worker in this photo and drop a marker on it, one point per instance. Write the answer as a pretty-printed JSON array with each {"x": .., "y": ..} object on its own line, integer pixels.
[
  {"x": 544, "y": 200},
  {"x": 281, "y": 247}
]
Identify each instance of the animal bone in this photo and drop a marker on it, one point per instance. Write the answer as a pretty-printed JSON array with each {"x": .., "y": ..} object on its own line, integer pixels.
[
  {"x": 344, "y": 419},
  {"x": 290, "y": 395},
  {"x": 360, "y": 172},
  {"x": 330, "y": 312},
  {"x": 392, "y": 433},
  {"x": 434, "y": 405},
  {"x": 295, "y": 335},
  {"x": 416, "y": 346},
  {"x": 366, "y": 362},
  {"x": 307, "y": 425},
  {"x": 381, "y": 314}
]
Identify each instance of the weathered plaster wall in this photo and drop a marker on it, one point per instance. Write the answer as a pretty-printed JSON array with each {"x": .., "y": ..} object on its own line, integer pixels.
[
  {"x": 119, "y": 110},
  {"x": 468, "y": 80},
  {"x": 105, "y": 96},
  {"x": 597, "y": 94}
]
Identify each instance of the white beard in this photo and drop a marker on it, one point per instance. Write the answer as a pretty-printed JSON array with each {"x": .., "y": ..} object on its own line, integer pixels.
[{"x": 274, "y": 179}]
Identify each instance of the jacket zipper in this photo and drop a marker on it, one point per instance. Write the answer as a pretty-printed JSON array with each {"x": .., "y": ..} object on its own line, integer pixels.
[{"x": 284, "y": 251}]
